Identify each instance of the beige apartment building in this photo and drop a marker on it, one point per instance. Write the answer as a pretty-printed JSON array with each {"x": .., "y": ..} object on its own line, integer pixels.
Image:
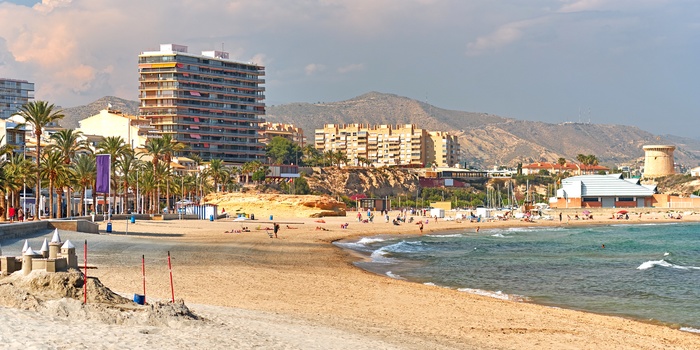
[
  {"x": 288, "y": 131},
  {"x": 388, "y": 145}
]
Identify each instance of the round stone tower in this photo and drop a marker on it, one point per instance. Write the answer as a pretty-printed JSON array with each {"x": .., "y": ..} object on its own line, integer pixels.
[{"x": 658, "y": 160}]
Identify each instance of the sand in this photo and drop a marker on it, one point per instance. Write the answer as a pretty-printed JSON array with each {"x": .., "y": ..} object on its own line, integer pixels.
[{"x": 298, "y": 291}]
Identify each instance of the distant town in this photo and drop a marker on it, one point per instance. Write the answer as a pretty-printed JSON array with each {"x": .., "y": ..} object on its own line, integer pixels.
[{"x": 201, "y": 128}]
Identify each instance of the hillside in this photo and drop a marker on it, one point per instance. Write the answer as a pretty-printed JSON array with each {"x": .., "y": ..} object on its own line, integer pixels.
[
  {"x": 485, "y": 139},
  {"x": 488, "y": 139},
  {"x": 75, "y": 114}
]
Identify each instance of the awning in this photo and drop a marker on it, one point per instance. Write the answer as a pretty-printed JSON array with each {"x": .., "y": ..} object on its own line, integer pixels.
[
  {"x": 195, "y": 136},
  {"x": 195, "y": 93},
  {"x": 194, "y": 127},
  {"x": 196, "y": 119},
  {"x": 206, "y": 145}
]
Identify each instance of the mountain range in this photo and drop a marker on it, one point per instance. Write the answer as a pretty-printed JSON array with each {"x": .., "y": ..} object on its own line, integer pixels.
[{"x": 485, "y": 139}]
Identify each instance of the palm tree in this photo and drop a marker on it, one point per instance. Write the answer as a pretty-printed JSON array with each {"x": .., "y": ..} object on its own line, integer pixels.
[
  {"x": 18, "y": 168},
  {"x": 170, "y": 147},
  {"x": 218, "y": 172},
  {"x": 52, "y": 168},
  {"x": 85, "y": 172},
  {"x": 114, "y": 146},
  {"x": 39, "y": 114},
  {"x": 70, "y": 143},
  {"x": 126, "y": 164}
]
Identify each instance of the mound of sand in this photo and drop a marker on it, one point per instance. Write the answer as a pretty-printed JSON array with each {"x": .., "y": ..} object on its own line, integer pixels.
[
  {"x": 280, "y": 205},
  {"x": 60, "y": 294}
]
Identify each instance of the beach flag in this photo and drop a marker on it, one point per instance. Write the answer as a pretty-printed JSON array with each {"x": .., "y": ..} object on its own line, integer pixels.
[{"x": 103, "y": 173}]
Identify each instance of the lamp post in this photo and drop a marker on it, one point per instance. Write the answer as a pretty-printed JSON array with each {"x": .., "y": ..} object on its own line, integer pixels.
[
  {"x": 137, "y": 192},
  {"x": 24, "y": 182}
]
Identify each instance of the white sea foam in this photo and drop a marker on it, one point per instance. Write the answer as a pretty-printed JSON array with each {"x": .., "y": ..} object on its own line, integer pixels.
[
  {"x": 430, "y": 284},
  {"x": 497, "y": 235},
  {"x": 497, "y": 294},
  {"x": 691, "y": 330},
  {"x": 394, "y": 276},
  {"x": 380, "y": 256},
  {"x": 447, "y": 236},
  {"x": 663, "y": 263},
  {"x": 667, "y": 254},
  {"x": 370, "y": 240}
]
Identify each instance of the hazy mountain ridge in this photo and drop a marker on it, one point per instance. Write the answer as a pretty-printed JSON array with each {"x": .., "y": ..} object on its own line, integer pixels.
[
  {"x": 488, "y": 139},
  {"x": 485, "y": 139},
  {"x": 75, "y": 114}
]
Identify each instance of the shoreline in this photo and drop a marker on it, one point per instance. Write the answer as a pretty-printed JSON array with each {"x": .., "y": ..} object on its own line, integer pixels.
[
  {"x": 511, "y": 297},
  {"x": 303, "y": 276}
]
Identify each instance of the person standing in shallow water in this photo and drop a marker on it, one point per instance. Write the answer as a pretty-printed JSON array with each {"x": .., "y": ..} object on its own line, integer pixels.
[
  {"x": 420, "y": 226},
  {"x": 559, "y": 216}
]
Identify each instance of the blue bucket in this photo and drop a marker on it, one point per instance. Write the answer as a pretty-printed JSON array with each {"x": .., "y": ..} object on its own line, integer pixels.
[
  {"x": 133, "y": 219},
  {"x": 109, "y": 227},
  {"x": 139, "y": 299}
]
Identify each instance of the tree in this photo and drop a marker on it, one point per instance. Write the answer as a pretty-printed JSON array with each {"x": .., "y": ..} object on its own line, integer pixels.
[
  {"x": 311, "y": 156},
  {"x": 16, "y": 171},
  {"x": 85, "y": 171},
  {"x": 561, "y": 161},
  {"x": 69, "y": 143},
  {"x": 126, "y": 163},
  {"x": 217, "y": 172},
  {"x": 283, "y": 151},
  {"x": 169, "y": 148},
  {"x": 53, "y": 168},
  {"x": 39, "y": 114}
]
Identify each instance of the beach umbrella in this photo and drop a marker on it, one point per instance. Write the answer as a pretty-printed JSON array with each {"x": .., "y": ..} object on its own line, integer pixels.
[
  {"x": 586, "y": 212},
  {"x": 622, "y": 212}
]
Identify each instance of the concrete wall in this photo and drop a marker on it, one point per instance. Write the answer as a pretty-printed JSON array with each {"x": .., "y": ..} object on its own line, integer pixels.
[{"x": 19, "y": 229}]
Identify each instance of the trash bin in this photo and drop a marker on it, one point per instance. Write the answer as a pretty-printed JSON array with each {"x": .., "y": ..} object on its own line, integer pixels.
[
  {"x": 270, "y": 217},
  {"x": 109, "y": 227},
  {"x": 133, "y": 219},
  {"x": 252, "y": 216},
  {"x": 211, "y": 217},
  {"x": 139, "y": 299}
]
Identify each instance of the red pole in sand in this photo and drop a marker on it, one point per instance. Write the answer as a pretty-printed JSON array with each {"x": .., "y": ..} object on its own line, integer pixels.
[
  {"x": 143, "y": 271},
  {"x": 85, "y": 273},
  {"x": 170, "y": 267}
]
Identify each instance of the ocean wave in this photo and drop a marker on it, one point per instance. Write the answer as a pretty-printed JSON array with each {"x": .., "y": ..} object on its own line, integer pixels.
[
  {"x": 394, "y": 276},
  {"x": 663, "y": 263},
  {"x": 370, "y": 240},
  {"x": 456, "y": 235},
  {"x": 691, "y": 330},
  {"x": 497, "y": 235},
  {"x": 497, "y": 294}
]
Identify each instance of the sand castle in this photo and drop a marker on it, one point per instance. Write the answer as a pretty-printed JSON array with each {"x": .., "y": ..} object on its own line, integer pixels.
[{"x": 54, "y": 256}]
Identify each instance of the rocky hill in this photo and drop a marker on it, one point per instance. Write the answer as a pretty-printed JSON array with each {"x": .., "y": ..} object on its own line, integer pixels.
[
  {"x": 373, "y": 182},
  {"x": 485, "y": 139},
  {"x": 488, "y": 139},
  {"x": 75, "y": 114}
]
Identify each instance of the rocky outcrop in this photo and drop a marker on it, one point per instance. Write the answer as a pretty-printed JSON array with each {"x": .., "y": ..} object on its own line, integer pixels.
[
  {"x": 283, "y": 205},
  {"x": 372, "y": 182}
]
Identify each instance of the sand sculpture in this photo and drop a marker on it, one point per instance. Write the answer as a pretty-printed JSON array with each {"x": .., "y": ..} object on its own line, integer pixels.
[{"x": 54, "y": 256}]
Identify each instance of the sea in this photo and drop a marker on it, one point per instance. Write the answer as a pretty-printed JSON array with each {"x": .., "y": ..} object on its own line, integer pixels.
[{"x": 648, "y": 272}]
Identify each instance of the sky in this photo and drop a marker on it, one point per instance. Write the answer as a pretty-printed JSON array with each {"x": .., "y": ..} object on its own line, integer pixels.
[{"x": 630, "y": 62}]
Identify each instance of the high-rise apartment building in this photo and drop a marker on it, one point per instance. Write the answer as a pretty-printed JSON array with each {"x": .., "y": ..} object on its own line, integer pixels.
[
  {"x": 386, "y": 145},
  {"x": 208, "y": 102},
  {"x": 14, "y": 94}
]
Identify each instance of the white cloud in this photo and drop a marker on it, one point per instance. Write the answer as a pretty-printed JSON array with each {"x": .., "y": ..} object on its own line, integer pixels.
[
  {"x": 314, "y": 68},
  {"x": 609, "y": 5},
  {"x": 501, "y": 37},
  {"x": 355, "y": 67},
  {"x": 49, "y": 5}
]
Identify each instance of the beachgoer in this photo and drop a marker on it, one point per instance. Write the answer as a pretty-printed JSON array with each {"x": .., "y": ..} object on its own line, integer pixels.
[
  {"x": 477, "y": 229},
  {"x": 276, "y": 228},
  {"x": 603, "y": 246},
  {"x": 11, "y": 213},
  {"x": 359, "y": 217},
  {"x": 435, "y": 218},
  {"x": 420, "y": 226},
  {"x": 559, "y": 216},
  {"x": 20, "y": 214}
]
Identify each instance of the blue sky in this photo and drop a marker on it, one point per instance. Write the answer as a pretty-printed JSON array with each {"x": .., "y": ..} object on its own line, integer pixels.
[{"x": 631, "y": 62}]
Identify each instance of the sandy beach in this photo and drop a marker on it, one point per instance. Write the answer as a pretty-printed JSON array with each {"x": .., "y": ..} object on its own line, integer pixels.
[{"x": 299, "y": 291}]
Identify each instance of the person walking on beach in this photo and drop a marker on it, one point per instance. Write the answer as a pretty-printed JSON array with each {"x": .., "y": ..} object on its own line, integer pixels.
[
  {"x": 11, "y": 213},
  {"x": 275, "y": 228},
  {"x": 559, "y": 216},
  {"x": 20, "y": 214},
  {"x": 420, "y": 226},
  {"x": 359, "y": 217}
]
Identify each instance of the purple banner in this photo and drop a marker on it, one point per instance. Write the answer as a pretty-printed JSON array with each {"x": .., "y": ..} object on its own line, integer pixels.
[{"x": 103, "y": 173}]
